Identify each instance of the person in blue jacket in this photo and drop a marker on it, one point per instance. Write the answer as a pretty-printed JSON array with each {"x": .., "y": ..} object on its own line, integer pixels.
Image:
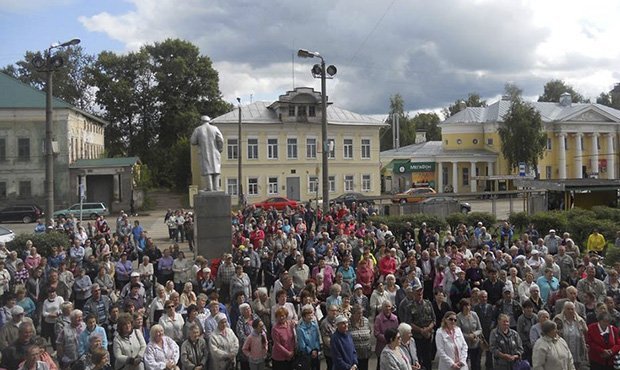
[
  {"x": 344, "y": 356},
  {"x": 308, "y": 338}
]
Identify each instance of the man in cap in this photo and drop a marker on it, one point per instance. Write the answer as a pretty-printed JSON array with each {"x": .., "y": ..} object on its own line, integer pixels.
[
  {"x": 343, "y": 352},
  {"x": 552, "y": 242},
  {"x": 509, "y": 306},
  {"x": 10, "y": 331},
  {"x": 225, "y": 273},
  {"x": 423, "y": 324},
  {"x": 134, "y": 278},
  {"x": 358, "y": 297}
]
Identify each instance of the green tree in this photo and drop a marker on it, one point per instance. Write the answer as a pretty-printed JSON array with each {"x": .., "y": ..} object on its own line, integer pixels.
[
  {"x": 513, "y": 91},
  {"x": 407, "y": 128},
  {"x": 610, "y": 99},
  {"x": 522, "y": 135},
  {"x": 555, "y": 88},
  {"x": 70, "y": 82},
  {"x": 473, "y": 100},
  {"x": 427, "y": 122}
]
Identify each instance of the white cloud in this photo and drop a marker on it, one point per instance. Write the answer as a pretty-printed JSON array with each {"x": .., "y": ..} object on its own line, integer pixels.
[{"x": 431, "y": 52}]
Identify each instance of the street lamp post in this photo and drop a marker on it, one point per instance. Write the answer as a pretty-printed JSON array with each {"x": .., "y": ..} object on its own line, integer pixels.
[
  {"x": 241, "y": 197},
  {"x": 48, "y": 64},
  {"x": 319, "y": 71}
]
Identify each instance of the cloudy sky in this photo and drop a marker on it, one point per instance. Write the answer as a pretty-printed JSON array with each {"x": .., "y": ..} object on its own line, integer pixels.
[{"x": 431, "y": 52}]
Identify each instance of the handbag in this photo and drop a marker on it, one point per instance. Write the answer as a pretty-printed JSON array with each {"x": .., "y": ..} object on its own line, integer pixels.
[
  {"x": 521, "y": 365},
  {"x": 484, "y": 345}
]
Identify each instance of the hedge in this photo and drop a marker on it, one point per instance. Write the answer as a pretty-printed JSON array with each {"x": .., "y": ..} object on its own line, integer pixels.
[
  {"x": 43, "y": 242},
  {"x": 397, "y": 223}
]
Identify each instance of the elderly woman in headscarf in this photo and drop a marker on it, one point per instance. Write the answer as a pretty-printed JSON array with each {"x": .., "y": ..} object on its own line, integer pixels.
[
  {"x": 573, "y": 329},
  {"x": 223, "y": 345},
  {"x": 551, "y": 351}
]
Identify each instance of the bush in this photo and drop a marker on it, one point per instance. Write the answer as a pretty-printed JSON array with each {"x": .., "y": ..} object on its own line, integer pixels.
[
  {"x": 612, "y": 256},
  {"x": 519, "y": 220},
  {"x": 487, "y": 219},
  {"x": 607, "y": 213},
  {"x": 397, "y": 223},
  {"x": 545, "y": 221},
  {"x": 456, "y": 219},
  {"x": 581, "y": 228},
  {"x": 43, "y": 242}
]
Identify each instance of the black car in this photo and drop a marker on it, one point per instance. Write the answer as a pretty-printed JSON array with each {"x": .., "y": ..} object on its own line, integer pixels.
[
  {"x": 463, "y": 207},
  {"x": 25, "y": 213},
  {"x": 349, "y": 198}
]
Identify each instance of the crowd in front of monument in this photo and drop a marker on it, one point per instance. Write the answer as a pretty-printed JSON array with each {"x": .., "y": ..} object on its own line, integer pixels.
[{"x": 300, "y": 288}]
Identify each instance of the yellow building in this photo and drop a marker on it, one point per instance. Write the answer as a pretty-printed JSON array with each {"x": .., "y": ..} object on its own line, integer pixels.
[
  {"x": 281, "y": 149},
  {"x": 581, "y": 142}
]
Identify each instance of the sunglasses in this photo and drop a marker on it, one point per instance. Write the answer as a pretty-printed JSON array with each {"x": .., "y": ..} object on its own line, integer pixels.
[{"x": 452, "y": 319}]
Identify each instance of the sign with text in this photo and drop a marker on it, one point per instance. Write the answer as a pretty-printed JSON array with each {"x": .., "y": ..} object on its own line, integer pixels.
[{"x": 414, "y": 167}]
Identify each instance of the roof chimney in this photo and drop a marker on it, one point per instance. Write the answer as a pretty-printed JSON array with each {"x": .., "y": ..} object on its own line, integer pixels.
[
  {"x": 462, "y": 105},
  {"x": 566, "y": 99}
]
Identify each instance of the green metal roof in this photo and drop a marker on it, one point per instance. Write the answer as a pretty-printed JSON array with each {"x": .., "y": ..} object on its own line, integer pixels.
[
  {"x": 15, "y": 94},
  {"x": 106, "y": 162}
]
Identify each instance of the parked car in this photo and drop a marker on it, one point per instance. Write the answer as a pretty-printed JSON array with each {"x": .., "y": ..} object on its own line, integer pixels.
[
  {"x": 25, "y": 213},
  {"x": 6, "y": 235},
  {"x": 412, "y": 195},
  {"x": 90, "y": 210},
  {"x": 464, "y": 207},
  {"x": 349, "y": 198},
  {"x": 278, "y": 203}
]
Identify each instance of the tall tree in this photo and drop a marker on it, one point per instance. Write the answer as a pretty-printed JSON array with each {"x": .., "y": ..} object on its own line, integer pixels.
[
  {"x": 473, "y": 100},
  {"x": 611, "y": 98},
  {"x": 70, "y": 82},
  {"x": 522, "y": 135},
  {"x": 513, "y": 91},
  {"x": 555, "y": 88},
  {"x": 407, "y": 129},
  {"x": 427, "y": 122}
]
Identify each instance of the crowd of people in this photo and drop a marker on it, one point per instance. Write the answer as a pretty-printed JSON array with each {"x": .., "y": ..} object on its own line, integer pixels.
[{"x": 300, "y": 287}]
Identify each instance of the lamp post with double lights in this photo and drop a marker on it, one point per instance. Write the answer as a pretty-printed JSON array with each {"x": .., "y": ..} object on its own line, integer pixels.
[
  {"x": 49, "y": 63},
  {"x": 319, "y": 71}
]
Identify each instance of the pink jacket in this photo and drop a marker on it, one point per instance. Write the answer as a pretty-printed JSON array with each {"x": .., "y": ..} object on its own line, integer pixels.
[
  {"x": 283, "y": 342},
  {"x": 255, "y": 347}
]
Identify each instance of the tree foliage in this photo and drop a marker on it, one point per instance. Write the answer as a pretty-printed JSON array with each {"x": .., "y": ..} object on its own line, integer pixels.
[
  {"x": 407, "y": 128},
  {"x": 428, "y": 122},
  {"x": 555, "y": 88},
  {"x": 70, "y": 82},
  {"x": 522, "y": 135},
  {"x": 153, "y": 99},
  {"x": 611, "y": 98},
  {"x": 473, "y": 100}
]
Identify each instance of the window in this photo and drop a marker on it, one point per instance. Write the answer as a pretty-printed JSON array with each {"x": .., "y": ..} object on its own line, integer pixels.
[
  {"x": 313, "y": 184},
  {"x": 332, "y": 148},
  {"x": 2, "y": 190},
  {"x": 301, "y": 111},
  {"x": 312, "y": 111},
  {"x": 548, "y": 172},
  {"x": 444, "y": 171},
  {"x": 332, "y": 183},
  {"x": 489, "y": 141},
  {"x": 348, "y": 148},
  {"x": 232, "y": 187},
  {"x": 291, "y": 148},
  {"x": 253, "y": 186},
  {"x": 311, "y": 148},
  {"x": 273, "y": 185},
  {"x": 272, "y": 148},
  {"x": 252, "y": 148},
  {"x": 581, "y": 142},
  {"x": 25, "y": 189},
  {"x": 565, "y": 143},
  {"x": 348, "y": 183},
  {"x": 365, "y": 148},
  {"x": 465, "y": 176},
  {"x": 291, "y": 111},
  {"x": 598, "y": 143},
  {"x": 2, "y": 149},
  {"x": 23, "y": 149},
  {"x": 548, "y": 143},
  {"x": 366, "y": 183},
  {"x": 233, "y": 149}
]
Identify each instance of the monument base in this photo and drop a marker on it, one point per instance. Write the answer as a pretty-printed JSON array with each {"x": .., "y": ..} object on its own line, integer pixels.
[{"x": 212, "y": 224}]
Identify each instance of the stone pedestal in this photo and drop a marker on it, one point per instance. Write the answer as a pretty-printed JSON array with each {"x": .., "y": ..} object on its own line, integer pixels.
[{"x": 212, "y": 225}]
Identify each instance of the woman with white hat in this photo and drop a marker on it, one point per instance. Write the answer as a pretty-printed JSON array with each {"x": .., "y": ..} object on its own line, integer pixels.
[{"x": 223, "y": 345}]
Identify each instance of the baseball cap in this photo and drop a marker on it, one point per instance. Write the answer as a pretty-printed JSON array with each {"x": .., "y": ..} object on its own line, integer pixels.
[{"x": 340, "y": 319}]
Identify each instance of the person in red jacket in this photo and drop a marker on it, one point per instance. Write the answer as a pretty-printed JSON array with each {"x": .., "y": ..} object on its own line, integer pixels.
[
  {"x": 387, "y": 263},
  {"x": 603, "y": 340}
]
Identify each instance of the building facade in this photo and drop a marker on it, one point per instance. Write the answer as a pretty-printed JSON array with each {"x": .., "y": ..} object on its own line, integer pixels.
[
  {"x": 581, "y": 143},
  {"x": 281, "y": 149},
  {"x": 76, "y": 135}
]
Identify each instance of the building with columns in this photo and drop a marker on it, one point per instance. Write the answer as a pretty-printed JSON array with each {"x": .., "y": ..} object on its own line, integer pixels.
[
  {"x": 581, "y": 143},
  {"x": 281, "y": 149}
]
